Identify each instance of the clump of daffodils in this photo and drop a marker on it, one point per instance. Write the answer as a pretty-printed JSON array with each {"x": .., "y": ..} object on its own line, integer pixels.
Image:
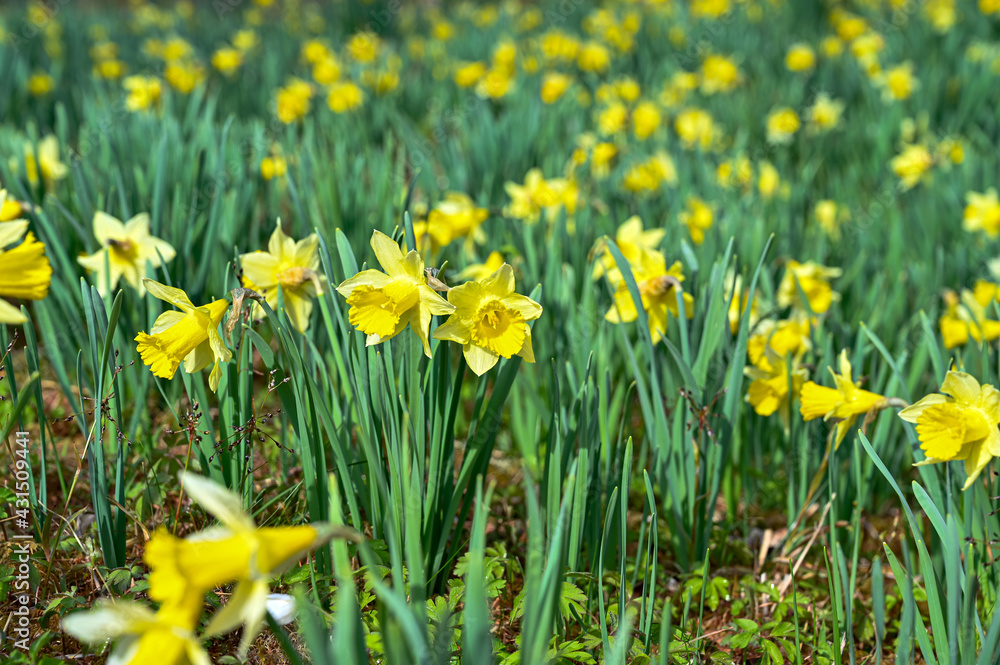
[{"x": 485, "y": 316}]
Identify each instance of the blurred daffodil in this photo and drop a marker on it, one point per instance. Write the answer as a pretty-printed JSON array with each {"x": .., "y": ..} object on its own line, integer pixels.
[
  {"x": 982, "y": 212},
  {"x": 235, "y": 551},
  {"x": 813, "y": 280},
  {"x": 633, "y": 242},
  {"x": 775, "y": 383},
  {"x": 166, "y": 636},
  {"x": 480, "y": 271}
]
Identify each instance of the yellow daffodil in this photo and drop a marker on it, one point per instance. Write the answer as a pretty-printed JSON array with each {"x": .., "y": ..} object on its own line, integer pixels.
[
  {"x": 125, "y": 251},
  {"x": 912, "y": 165},
  {"x": 768, "y": 180},
  {"x": 190, "y": 336},
  {"x": 593, "y": 57},
  {"x": 345, "y": 96},
  {"x": 844, "y": 403},
  {"x": 800, "y": 58},
  {"x": 40, "y": 84},
  {"x": 468, "y": 75},
  {"x": 490, "y": 321},
  {"x": 633, "y": 242},
  {"x": 480, "y": 271},
  {"x": 775, "y": 385},
  {"x": 293, "y": 101},
  {"x": 830, "y": 216},
  {"x": 10, "y": 210},
  {"x": 650, "y": 175},
  {"x": 184, "y": 76},
  {"x": 658, "y": 289},
  {"x": 814, "y": 280},
  {"x": 45, "y": 163},
  {"x": 612, "y": 119},
  {"x": 456, "y": 216},
  {"x": 719, "y": 74},
  {"x": 363, "y": 46},
  {"x": 735, "y": 172},
  {"x": 235, "y": 551},
  {"x": 982, "y": 212},
  {"x": 143, "y": 92},
  {"x": 645, "y": 120},
  {"x": 383, "y": 304},
  {"x": 227, "y": 60},
  {"x": 26, "y": 273},
  {"x": 898, "y": 82},
  {"x": 166, "y": 636},
  {"x": 782, "y": 124},
  {"x": 697, "y": 218},
  {"x": 959, "y": 425},
  {"x": 965, "y": 317},
  {"x": 291, "y": 265},
  {"x": 788, "y": 336},
  {"x": 554, "y": 86},
  {"x": 538, "y": 196},
  {"x": 824, "y": 114},
  {"x": 737, "y": 306},
  {"x": 695, "y": 127},
  {"x": 327, "y": 71},
  {"x": 272, "y": 167},
  {"x": 709, "y": 8}
]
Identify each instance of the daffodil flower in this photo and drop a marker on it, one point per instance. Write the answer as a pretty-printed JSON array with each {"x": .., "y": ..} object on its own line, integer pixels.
[
  {"x": 480, "y": 271},
  {"x": 125, "y": 250},
  {"x": 10, "y": 210},
  {"x": 25, "y": 273},
  {"x": 844, "y": 403},
  {"x": 190, "y": 336},
  {"x": 235, "y": 551},
  {"x": 383, "y": 304},
  {"x": 965, "y": 317},
  {"x": 490, "y": 321},
  {"x": 775, "y": 384},
  {"x": 814, "y": 280},
  {"x": 633, "y": 242},
  {"x": 45, "y": 163},
  {"x": 166, "y": 636},
  {"x": 959, "y": 425},
  {"x": 291, "y": 265},
  {"x": 658, "y": 287}
]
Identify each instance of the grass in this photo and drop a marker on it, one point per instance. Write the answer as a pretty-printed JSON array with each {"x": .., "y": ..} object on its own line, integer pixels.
[{"x": 618, "y": 500}]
